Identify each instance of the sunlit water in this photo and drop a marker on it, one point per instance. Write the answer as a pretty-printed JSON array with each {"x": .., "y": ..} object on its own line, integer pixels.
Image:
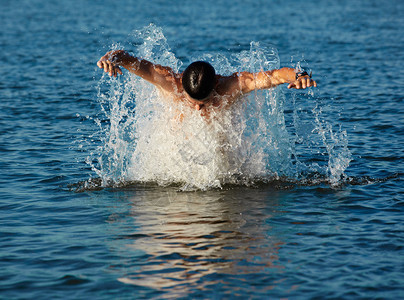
[{"x": 289, "y": 194}]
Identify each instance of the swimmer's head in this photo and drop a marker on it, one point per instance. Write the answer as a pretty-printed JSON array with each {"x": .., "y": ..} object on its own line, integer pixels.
[{"x": 199, "y": 80}]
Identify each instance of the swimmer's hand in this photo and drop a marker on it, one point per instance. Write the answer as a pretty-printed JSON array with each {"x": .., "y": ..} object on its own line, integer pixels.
[
  {"x": 110, "y": 62},
  {"x": 302, "y": 82}
]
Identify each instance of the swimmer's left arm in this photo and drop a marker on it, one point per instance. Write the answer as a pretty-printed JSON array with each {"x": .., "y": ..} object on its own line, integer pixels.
[
  {"x": 296, "y": 79},
  {"x": 270, "y": 79},
  {"x": 238, "y": 84}
]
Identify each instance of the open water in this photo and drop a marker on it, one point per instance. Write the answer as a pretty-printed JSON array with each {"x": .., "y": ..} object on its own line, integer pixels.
[{"x": 291, "y": 194}]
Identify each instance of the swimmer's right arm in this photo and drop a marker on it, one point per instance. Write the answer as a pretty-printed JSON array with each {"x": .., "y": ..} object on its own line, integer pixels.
[{"x": 156, "y": 74}]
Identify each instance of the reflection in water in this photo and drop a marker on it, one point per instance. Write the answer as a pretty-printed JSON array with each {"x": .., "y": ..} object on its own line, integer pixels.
[{"x": 193, "y": 240}]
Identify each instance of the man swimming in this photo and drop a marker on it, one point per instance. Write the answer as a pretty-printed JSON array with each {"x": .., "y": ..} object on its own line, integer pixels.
[{"x": 199, "y": 86}]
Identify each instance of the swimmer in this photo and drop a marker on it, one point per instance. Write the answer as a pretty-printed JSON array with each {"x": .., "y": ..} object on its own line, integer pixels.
[{"x": 199, "y": 86}]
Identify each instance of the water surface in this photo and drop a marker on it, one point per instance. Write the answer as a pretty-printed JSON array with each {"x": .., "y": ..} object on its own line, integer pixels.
[{"x": 310, "y": 235}]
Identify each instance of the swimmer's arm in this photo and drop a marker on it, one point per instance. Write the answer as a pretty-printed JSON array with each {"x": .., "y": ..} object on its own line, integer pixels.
[
  {"x": 158, "y": 75},
  {"x": 269, "y": 79},
  {"x": 238, "y": 84}
]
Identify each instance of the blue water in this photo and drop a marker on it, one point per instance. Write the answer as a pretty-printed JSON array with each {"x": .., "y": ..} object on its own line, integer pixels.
[{"x": 76, "y": 221}]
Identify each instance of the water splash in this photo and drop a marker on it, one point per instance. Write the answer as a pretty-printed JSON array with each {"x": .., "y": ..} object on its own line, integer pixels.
[{"x": 144, "y": 136}]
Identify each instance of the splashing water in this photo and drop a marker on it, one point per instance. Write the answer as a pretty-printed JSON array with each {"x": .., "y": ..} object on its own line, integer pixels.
[{"x": 146, "y": 137}]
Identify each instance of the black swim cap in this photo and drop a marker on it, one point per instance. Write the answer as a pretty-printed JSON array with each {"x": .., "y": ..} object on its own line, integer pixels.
[{"x": 199, "y": 80}]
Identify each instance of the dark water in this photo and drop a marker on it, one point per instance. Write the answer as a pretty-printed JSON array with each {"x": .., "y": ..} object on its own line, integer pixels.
[{"x": 297, "y": 239}]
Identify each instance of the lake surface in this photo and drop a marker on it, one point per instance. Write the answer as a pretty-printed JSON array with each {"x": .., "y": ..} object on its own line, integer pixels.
[{"x": 103, "y": 197}]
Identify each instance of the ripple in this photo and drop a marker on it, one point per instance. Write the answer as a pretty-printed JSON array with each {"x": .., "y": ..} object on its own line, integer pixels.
[{"x": 71, "y": 280}]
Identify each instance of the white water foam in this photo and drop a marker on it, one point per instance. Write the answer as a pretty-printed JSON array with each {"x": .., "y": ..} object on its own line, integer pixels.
[{"x": 147, "y": 137}]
